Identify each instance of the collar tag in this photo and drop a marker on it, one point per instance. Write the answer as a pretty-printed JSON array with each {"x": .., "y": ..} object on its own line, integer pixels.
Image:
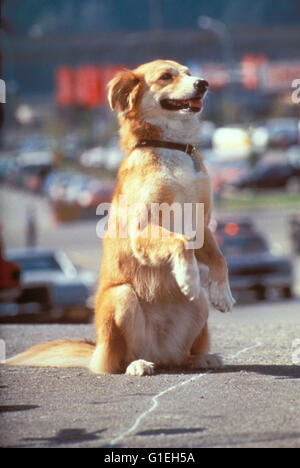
[
  {"x": 196, "y": 164},
  {"x": 192, "y": 152},
  {"x": 188, "y": 149}
]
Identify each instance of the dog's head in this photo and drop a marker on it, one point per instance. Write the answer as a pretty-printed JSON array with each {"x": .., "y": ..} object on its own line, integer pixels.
[{"x": 158, "y": 89}]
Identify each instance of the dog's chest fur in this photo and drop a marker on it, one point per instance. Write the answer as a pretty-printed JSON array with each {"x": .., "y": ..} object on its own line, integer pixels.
[
  {"x": 178, "y": 167},
  {"x": 166, "y": 331},
  {"x": 176, "y": 171}
]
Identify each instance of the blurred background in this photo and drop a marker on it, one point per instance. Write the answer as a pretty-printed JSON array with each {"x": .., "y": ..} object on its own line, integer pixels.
[{"x": 59, "y": 151}]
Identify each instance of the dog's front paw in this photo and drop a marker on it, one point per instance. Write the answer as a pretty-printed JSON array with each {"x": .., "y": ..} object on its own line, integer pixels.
[
  {"x": 186, "y": 273},
  {"x": 220, "y": 296},
  {"x": 140, "y": 367}
]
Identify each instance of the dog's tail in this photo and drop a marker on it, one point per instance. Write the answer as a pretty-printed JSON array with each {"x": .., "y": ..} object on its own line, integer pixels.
[{"x": 60, "y": 353}]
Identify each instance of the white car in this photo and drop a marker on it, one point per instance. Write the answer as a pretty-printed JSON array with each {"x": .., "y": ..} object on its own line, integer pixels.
[{"x": 52, "y": 288}]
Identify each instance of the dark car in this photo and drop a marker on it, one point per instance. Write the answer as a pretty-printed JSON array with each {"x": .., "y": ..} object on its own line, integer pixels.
[
  {"x": 283, "y": 132},
  {"x": 8, "y": 167},
  {"x": 272, "y": 177},
  {"x": 52, "y": 288},
  {"x": 234, "y": 225},
  {"x": 252, "y": 267}
]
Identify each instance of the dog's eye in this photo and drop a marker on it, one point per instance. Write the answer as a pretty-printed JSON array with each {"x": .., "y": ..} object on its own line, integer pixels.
[{"x": 166, "y": 76}]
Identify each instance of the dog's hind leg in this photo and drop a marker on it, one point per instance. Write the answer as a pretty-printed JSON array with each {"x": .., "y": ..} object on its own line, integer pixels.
[
  {"x": 109, "y": 355},
  {"x": 201, "y": 344},
  {"x": 199, "y": 357},
  {"x": 120, "y": 326}
]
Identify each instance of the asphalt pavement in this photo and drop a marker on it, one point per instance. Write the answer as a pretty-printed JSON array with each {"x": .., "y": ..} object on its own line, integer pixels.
[{"x": 253, "y": 402}]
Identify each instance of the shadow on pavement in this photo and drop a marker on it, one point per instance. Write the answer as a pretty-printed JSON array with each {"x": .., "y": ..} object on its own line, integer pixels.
[
  {"x": 13, "y": 408},
  {"x": 67, "y": 436},
  {"x": 180, "y": 430},
  {"x": 280, "y": 371}
]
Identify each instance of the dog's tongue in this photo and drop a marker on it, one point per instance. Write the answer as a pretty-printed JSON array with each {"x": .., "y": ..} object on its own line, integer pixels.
[{"x": 195, "y": 103}]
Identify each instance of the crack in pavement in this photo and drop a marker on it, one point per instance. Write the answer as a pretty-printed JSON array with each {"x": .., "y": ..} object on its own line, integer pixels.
[{"x": 155, "y": 399}]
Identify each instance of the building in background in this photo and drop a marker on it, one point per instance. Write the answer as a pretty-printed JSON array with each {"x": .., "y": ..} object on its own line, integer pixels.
[{"x": 60, "y": 53}]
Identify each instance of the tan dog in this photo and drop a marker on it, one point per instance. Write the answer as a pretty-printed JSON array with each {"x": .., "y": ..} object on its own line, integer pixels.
[{"x": 151, "y": 307}]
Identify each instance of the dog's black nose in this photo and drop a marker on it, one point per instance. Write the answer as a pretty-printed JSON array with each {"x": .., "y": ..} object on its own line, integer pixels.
[{"x": 201, "y": 85}]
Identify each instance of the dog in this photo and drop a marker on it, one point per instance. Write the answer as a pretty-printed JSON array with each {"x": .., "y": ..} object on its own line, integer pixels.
[{"x": 152, "y": 302}]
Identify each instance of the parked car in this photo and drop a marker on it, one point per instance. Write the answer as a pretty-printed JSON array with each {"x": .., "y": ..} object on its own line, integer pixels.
[
  {"x": 109, "y": 157},
  {"x": 252, "y": 267},
  {"x": 55, "y": 184},
  {"x": 75, "y": 196},
  {"x": 283, "y": 132},
  {"x": 52, "y": 288},
  {"x": 233, "y": 226},
  {"x": 225, "y": 173},
  {"x": 94, "y": 157},
  {"x": 32, "y": 176},
  {"x": 8, "y": 167},
  {"x": 272, "y": 176},
  {"x": 294, "y": 223},
  {"x": 206, "y": 133},
  {"x": 71, "y": 147},
  {"x": 95, "y": 192}
]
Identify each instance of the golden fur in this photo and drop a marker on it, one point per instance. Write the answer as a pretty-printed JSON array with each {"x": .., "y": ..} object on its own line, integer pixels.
[{"x": 151, "y": 307}]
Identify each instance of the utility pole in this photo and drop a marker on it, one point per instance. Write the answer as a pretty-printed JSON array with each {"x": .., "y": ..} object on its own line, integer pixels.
[
  {"x": 222, "y": 33},
  {"x": 225, "y": 39}
]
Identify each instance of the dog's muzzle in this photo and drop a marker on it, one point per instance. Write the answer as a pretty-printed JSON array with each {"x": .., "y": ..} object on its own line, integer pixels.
[{"x": 193, "y": 104}]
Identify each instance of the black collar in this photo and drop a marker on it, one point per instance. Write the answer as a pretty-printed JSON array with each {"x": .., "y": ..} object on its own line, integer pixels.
[{"x": 188, "y": 149}]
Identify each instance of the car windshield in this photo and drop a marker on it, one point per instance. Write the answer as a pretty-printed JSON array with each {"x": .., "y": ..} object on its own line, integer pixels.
[
  {"x": 262, "y": 169},
  {"x": 43, "y": 263},
  {"x": 241, "y": 245},
  {"x": 36, "y": 145}
]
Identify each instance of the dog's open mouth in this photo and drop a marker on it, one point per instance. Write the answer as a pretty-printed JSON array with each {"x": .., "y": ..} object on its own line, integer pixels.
[{"x": 193, "y": 105}]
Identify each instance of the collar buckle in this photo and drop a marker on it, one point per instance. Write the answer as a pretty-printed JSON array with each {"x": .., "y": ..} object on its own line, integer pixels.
[{"x": 191, "y": 150}]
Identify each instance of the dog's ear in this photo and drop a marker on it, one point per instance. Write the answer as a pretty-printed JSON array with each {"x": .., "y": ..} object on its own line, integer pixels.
[{"x": 123, "y": 91}]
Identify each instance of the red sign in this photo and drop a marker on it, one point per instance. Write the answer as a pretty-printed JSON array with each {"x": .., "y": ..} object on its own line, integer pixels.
[
  {"x": 85, "y": 86},
  {"x": 88, "y": 86},
  {"x": 109, "y": 72},
  {"x": 64, "y": 86},
  {"x": 280, "y": 76},
  {"x": 250, "y": 69}
]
